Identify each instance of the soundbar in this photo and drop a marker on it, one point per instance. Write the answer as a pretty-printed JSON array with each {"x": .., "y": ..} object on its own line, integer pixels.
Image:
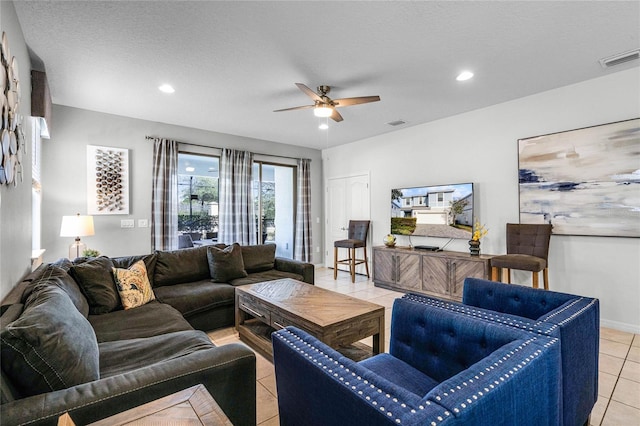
[{"x": 429, "y": 248}]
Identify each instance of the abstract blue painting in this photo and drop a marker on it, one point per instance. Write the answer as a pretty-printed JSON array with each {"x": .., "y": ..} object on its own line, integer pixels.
[{"x": 584, "y": 181}]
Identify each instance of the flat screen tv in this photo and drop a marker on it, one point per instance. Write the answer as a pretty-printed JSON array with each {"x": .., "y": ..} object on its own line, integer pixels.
[{"x": 444, "y": 211}]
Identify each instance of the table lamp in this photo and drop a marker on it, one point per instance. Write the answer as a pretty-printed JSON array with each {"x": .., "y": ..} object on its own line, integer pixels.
[{"x": 76, "y": 226}]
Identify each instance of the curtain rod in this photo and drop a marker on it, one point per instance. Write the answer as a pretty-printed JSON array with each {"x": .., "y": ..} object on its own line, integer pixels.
[{"x": 216, "y": 147}]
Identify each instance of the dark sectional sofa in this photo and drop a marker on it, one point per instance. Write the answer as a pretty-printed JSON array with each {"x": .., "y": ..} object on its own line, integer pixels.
[{"x": 69, "y": 346}]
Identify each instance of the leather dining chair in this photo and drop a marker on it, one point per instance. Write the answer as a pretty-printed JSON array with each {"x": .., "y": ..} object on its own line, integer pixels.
[
  {"x": 357, "y": 238},
  {"x": 185, "y": 241},
  {"x": 527, "y": 250}
]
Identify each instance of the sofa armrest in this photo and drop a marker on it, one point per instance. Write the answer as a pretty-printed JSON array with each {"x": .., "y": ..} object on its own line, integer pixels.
[
  {"x": 307, "y": 270},
  {"x": 228, "y": 372}
]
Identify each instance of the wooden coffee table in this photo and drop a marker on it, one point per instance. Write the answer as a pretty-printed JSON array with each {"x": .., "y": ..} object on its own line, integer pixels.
[{"x": 336, "y": 319}]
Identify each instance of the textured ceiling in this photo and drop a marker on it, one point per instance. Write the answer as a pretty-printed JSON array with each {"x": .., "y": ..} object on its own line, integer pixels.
[{"x": 232, "y": 63}]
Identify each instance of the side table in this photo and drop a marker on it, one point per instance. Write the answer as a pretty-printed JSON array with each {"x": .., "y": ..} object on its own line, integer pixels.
[{"x": 192, "y": 406}]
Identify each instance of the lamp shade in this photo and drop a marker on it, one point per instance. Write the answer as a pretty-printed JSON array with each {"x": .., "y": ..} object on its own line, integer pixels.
[{"x": 76, "y": 226}]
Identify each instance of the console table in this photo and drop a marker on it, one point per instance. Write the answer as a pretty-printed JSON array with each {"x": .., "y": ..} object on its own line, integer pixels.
[{"x": 435, "y": 273}]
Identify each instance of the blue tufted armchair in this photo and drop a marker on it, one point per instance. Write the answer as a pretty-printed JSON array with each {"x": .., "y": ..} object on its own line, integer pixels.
[
  {"x": 443, "y": 368},
  {"x": 573, "y": 319}
]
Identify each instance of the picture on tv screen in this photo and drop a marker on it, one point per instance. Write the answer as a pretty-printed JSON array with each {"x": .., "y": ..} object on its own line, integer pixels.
[{"x": 444, "y": 211}]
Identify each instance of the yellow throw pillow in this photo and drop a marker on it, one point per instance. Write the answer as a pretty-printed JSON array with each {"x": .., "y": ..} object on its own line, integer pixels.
[{"x": 133, "y": 285}]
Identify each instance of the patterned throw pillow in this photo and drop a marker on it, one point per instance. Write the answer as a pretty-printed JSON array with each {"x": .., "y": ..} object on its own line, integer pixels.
[{"x": 133, "y": 285}]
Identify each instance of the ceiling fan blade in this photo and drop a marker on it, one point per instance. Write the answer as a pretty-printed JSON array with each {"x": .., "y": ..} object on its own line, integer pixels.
[
  {"x": 313, "y": 95},
  {"x": 294, "y": 108},
  {"x": 355, "y": 101},
  {"x": 335, "y": 116}
]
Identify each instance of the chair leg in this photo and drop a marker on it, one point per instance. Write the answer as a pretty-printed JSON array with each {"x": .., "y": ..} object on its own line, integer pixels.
[
  {"x": 366, "y": 261},
  {"x": 352, "y": 265},
  {"x": 545, "y": 278},
  {"x": 335, "y": 263},
  {"x": 535, "y": 279}
]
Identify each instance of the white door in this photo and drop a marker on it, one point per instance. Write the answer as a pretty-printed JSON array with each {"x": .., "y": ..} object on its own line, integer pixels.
[{"x": 347, "y": 199}]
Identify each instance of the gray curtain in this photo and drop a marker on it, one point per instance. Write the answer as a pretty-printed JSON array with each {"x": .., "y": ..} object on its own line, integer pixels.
[
  {"x": 237, "y": 220},
  {"x": 303, "y": 245},
  {"x": 164, "y": 199}
]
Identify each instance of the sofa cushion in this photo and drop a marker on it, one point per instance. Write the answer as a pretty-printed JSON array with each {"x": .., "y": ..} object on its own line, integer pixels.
[
  {"x": 225, "y": 264},
  {"x": 149, "y": 260},
  {"x": 400, "y": 373},
  {"x": 259, "y": 258},
  {"x": 95, "y": 278},
  {"x": 265, "y": 276},
  {"x": 123, "y": 356},
  {"x": 133, "y": 285},
  {"x": 181, "y": 266},
  {"x": 51, "y": 346},
  {"x": 195, "y": 297},
  {"x": 142, "y": 321},
  {"x": 52, "y": 274}
]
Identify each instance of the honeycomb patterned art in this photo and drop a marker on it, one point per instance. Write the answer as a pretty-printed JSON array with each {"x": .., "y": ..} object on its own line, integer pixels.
[{"x": 108, "y": 179}]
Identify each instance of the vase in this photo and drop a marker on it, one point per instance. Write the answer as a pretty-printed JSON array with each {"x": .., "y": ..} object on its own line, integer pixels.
[{"x": 474, "y": 247}]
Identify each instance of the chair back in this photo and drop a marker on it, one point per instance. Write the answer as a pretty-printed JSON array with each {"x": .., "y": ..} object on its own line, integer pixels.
[
  {"x": 531, "y": 239},
  {"x": 185, "y": 241},
  {"x": 358, "y": 230}
]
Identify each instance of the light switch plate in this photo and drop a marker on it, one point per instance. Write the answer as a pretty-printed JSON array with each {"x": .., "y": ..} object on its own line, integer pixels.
[
  {"x": 127, "y": 223},
  {"x": 143, "y": 223}
]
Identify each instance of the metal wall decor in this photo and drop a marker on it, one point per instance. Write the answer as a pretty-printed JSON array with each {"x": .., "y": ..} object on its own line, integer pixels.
[
  {"x": 584, "y": 181},
  {"x": 107, "y": 180},
  {"x": 11, "y": 126}
]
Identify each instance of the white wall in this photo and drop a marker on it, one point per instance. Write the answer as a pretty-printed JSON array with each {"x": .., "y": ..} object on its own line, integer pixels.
[
  {"x": 64, "y": 172},
  {"x": 15, "y": 202},
  {"x": 481, "y": 147}
]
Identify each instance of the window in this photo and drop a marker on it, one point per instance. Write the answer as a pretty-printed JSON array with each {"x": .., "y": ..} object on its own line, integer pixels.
[
  {"x": 273, "y": 191},
  {"x": 198, "y": 195}
]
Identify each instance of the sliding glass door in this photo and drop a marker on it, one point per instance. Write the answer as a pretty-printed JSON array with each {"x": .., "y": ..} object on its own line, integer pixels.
[
  {"x": 274, "y": 195},
  {"x": 198, "y": 196}
]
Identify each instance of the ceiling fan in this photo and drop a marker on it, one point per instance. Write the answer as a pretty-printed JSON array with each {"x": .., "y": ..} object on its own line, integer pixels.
[{"x": 324, "y": 106}]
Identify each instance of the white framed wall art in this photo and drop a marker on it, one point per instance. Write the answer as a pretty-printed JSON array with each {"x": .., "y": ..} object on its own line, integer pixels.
[{"x": 107, "y": 180}]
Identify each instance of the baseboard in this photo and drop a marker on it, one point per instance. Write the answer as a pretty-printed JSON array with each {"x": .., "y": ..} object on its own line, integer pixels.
[{"x": 621, "y": 326}]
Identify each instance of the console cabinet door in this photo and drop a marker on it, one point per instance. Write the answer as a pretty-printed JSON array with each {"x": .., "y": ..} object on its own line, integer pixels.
[
  {"x": 384, "y": 266},
  {"x": 463, "y": 268},
  {"x": 435, "y": 275},
  {"x": 408, "y": 274}
]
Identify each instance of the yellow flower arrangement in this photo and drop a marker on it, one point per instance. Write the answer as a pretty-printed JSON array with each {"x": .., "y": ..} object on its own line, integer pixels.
[{"x": 479, "y": 231}]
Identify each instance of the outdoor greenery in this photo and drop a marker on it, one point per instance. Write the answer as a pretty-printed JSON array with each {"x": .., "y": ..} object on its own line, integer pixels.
[
  {"x": 403, "y": 225},
  {"x": 457, "y": 207}
]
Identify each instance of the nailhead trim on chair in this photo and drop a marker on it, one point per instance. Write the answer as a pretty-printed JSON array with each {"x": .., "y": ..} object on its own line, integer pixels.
[
  {"x": 540, "y": 327},
  {"x": 342, "y": 374},
  {"x": 345, "y": 376}
]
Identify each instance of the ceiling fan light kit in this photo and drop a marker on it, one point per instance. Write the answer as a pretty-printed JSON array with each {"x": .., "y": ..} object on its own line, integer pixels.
[
  {"x": 324, "y": 106},
  {"x": 323, "y": 111}
]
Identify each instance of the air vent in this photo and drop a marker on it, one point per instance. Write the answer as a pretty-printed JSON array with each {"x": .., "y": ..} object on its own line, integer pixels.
[
  {"x": 620, "y": 58},
  {"x": 397, "y": 123}
]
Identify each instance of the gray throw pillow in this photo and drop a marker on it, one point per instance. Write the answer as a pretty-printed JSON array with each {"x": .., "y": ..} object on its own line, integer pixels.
[
  {"x": 259, "y": 258},
  {"x": 225, "y": 264},
  {"x": 51, "y": 346},
  {"x": 95, "y": 278}
]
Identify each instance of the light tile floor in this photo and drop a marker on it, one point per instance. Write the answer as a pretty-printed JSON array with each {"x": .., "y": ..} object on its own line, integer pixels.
[{"x": 619, "y": 376}]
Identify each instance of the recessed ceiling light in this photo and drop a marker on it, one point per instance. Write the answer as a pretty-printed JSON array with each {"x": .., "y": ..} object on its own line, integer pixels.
[
  {"x": 464, "y": 75},
  {"x": 166, "y": 88},
  {"x": 323, "y": 126},
  {"x": 190, "y": 169}
]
